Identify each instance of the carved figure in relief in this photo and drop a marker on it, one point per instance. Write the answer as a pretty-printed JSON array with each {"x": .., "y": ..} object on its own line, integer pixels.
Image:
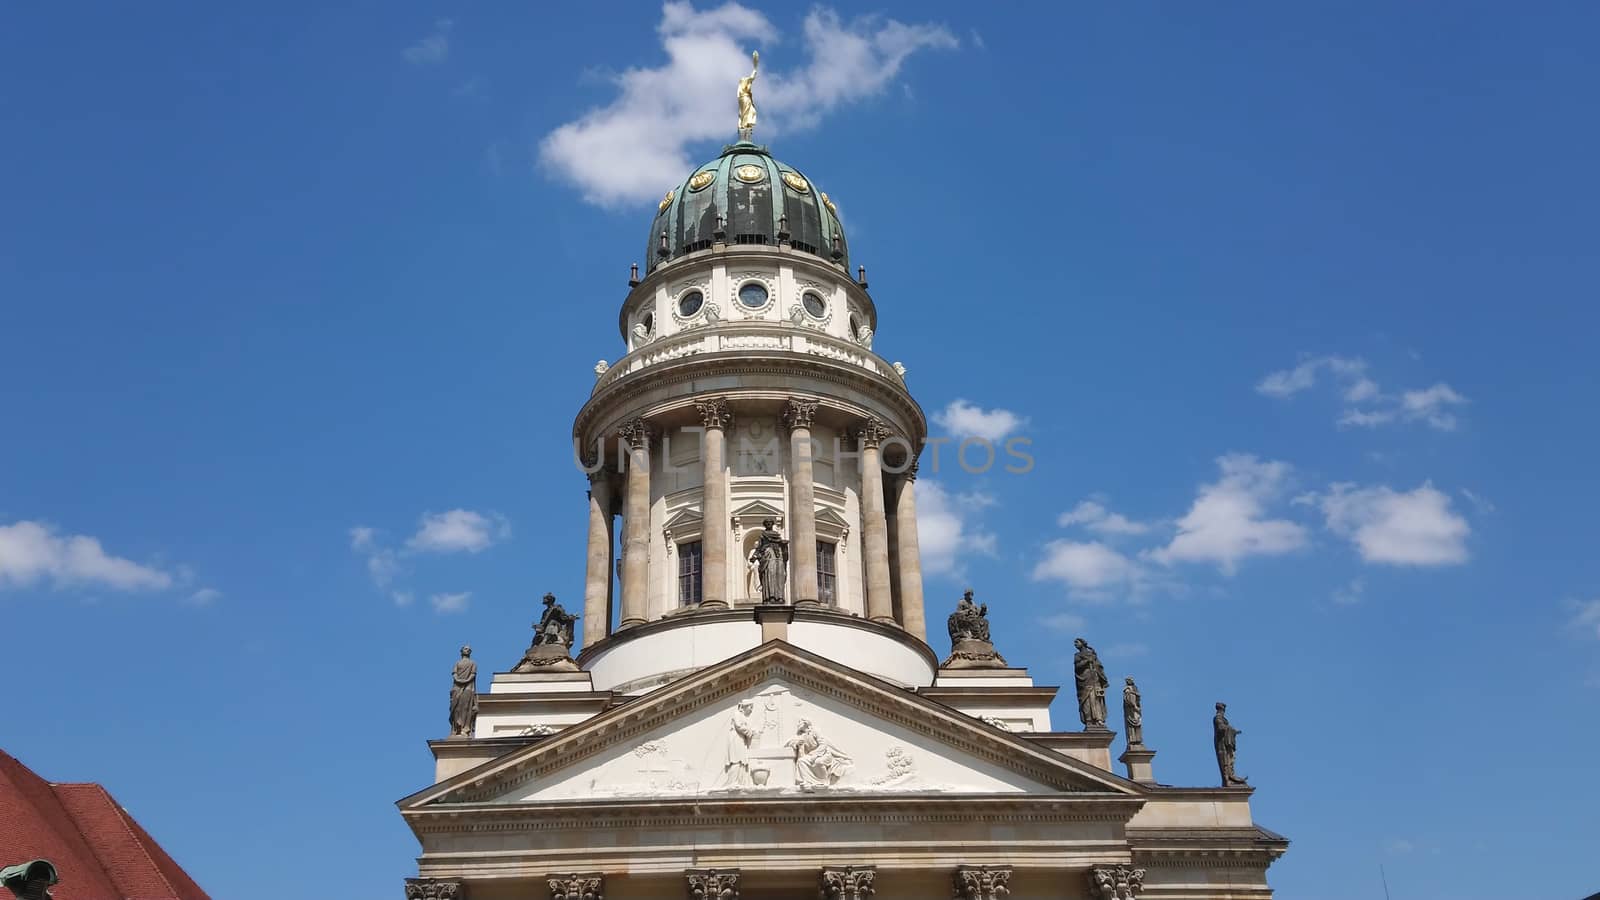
[
  {"x": 1225, "y": 736},
  {"x": 1132, "y": 713},
  {"x": 742, "y": 728},
  {"x": 464, "y": 695},
  {"x": 772, "y": 552},
  {"x": 1091, "y": 678},
  {"x": 817, "y": 763}
]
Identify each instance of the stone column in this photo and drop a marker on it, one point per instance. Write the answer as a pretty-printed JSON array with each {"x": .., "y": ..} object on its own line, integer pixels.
[
  {"x": 848, "y": 882},
  {"x": 802, "y": 500},
  {"x": 712, "y": 884},
  {"x": 1115, "y": 882},
  {"x": 715, "y": 417},
  {"x": 982, "y": 882},
  {"x": 435, "y": 889},
  {"x": 909, "y": 557},
  {"x": 576, "y": 886},
  {"x": 636, "y": 524},
  {"x": 597, "y": 571},
  {"x": 874, "y": 531}
]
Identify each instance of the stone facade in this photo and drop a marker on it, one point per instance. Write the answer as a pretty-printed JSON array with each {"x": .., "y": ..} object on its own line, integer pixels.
[{"x": 711, "y": 745}]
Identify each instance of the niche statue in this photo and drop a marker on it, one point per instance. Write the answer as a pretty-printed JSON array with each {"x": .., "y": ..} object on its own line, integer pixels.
[
  {"x": 970, "y": 646},
  {"x": 772, "y": 562},
  {"x": 552, "y": 640}
]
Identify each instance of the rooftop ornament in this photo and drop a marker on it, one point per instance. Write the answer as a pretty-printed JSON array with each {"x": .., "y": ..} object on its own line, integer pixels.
[{"x": 747, "y": 100}]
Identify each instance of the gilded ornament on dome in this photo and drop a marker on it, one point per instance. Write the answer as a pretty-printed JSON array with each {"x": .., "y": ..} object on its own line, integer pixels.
[
  {"x": 829, "y": 204},
  {"x": 701, "y": 179},
  {"x": 665, "y": 202},
  {"x": 750, "y": 173},
  {"x": 793, "y": 180}
]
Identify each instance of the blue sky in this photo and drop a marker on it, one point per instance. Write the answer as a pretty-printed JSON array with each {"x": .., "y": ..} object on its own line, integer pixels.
[{"x": 1296, "y": 304}]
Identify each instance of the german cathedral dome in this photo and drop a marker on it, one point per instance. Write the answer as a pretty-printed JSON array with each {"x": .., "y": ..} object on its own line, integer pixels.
[{"x": 745, "y": 196}]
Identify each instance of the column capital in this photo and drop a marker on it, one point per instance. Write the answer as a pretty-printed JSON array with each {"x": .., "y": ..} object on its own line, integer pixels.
[
  {"x": 576, "y": 886},
  {"x": 637, "y": 432},
  {"x": 799, "y": 413},
  {"x": 848, "y": 882},
  {"x": 982, "y": 882},
  {"x": 712, "y": 884},
  {"x": 1115, "y": 882},
  {"x": 435, "y": 889},
  {"x": 872, "y": 432},
  {"x": 714, "y": 412}
]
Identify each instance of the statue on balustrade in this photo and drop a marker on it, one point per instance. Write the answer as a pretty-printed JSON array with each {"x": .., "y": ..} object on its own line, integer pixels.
[
  {"x": 552, "y": 640},
  {"x": 464, "y": 695},
  {"x": 1132, "y": 713},
  {"x": 970, "y": 646},
  {"x": 1226, "y": 738},
  {"x": 1091, "y": 678}
]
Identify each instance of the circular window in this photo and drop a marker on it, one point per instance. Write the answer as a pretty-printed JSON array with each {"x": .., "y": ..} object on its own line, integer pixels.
[
  {"x": 690, "y": 303},
  {"x": 753, "y": 294},
  {"x": 814, "y": 304}
]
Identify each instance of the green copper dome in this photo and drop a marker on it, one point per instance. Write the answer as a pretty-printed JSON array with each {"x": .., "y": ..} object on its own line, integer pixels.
[{"x": 745, "y": 196}]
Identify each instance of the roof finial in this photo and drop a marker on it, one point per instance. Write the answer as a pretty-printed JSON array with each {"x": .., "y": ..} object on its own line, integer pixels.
[{"x": 747, "y": 102}]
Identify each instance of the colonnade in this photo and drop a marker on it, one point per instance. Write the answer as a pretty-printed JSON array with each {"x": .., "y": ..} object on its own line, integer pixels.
[{"x": 893, "y": 597}]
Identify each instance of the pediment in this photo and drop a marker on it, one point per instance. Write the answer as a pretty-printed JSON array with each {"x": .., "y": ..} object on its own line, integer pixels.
[
  {"x": 776, "y": 721},
  {"x": 757, "y": 510},
  {"x": 684, "y": 519},
  {"x": 826, "y": 516}
]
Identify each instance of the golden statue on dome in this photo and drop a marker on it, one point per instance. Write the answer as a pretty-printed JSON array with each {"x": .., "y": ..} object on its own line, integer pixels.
[{"x": 747, "y": 101}]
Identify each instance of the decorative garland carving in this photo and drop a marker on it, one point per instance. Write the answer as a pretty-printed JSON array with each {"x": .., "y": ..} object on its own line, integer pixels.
[
  {"x": 799, "y": 413},
  {"x": 435, "y": 889},
  {"x": 982, "y": 882},
  {"x": 714, "y": 413},
  {"x": 585, "y": 886},
  {"x": 713, "y": 884},
  {"x": 848, "y": 882},
  {"x": 1115, "y": 882}
]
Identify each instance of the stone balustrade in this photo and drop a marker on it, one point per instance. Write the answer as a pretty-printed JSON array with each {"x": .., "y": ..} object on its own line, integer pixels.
[{"x": 731, "y": 337}]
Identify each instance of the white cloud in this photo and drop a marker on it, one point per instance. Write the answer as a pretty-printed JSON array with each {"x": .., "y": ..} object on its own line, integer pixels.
[
  {"x": 450, "y": 603},
  {"x": 1350, "y": 594},
  {"x": 1126, "y": 650},
  {"x": 963, "y": 420},
  {"x": 1415, "y": 528},
  {"x": 435, "y": 48},
  {"x": 1432, "y": 405},
  {"x": 383, "y": 564},
  {"x": 31, "y": 552},
  {"x": 1090, "y": 567},
  {"x": 1067, "y": 623},
  {"x": 1094, "y": 516},
  {"x": 458, "y": 530},
  {"x": 403, "y": 598},
  {"x": 634, "y": 148},
  {"x": 1586, "y": 616},
  {"x": 947, "y": 528},
  {"x": 205, "y": 596},
  {"x": 1366, "y": 404},
  {"x": 1228, "y": 520}
]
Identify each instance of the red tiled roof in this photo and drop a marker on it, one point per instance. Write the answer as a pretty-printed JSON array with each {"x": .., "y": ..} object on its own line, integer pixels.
[{"x": 100, "y": 852}]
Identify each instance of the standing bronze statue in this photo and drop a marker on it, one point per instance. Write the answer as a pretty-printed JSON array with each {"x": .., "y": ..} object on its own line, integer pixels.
[
  {"x": 1226, "y": 738},
  {"x": 464, "y": 695},
  {"x": 772, "y": 562},
  {"x": 1091, "y": 677},
  {"x": 1132, "y": 713}
]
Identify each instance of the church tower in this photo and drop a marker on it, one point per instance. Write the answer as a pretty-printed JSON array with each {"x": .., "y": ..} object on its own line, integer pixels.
[{"x": 747, "y": 703}]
